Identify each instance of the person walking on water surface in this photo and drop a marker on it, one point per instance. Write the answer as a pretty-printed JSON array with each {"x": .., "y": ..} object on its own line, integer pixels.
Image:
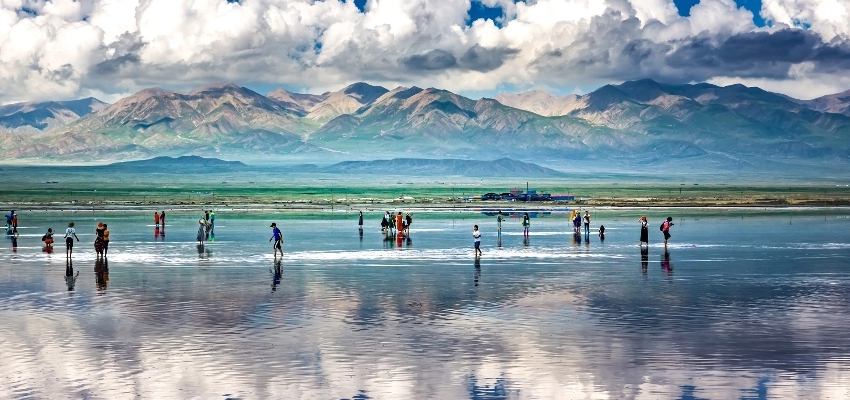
[
  {"x": 105, "y": 240},
  {"x": 586, "y": 223},
  {"x": 665, "y": 229},
  {"x": 277, "y": 236},
  {"x": 644, "y": 231},
  {"x": 476, "y": 237},
  {"x": 98, "y": 239},
  {"x": 202, "y": 227},
  {"x": 526, "y": 224},
  {"x": 70, "y": 235}
]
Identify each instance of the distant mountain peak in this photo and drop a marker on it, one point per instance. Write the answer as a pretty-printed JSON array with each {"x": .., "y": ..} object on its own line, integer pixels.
[
  {"x": 364, "y": 92},
  {"x": 214, "y": 87}
]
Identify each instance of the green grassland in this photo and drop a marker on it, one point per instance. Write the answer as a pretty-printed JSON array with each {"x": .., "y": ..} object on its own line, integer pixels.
[{"x": 59, "y": 188}]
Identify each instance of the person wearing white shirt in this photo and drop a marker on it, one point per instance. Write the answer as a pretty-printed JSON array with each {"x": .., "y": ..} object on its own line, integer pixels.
[
  {"x": 476, "y": 236},
  {"x": 70, "y": 235}
]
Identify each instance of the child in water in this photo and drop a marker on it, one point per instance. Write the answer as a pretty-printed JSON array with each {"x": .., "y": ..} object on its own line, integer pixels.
[
  {"x": 48, "y": 240},
  {"x": 476, "y": 237},
  {"x": 665, "y": 228}
]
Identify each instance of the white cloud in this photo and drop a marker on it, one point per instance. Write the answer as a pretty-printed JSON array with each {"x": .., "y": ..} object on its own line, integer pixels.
[{"x": 71, "y": 48}]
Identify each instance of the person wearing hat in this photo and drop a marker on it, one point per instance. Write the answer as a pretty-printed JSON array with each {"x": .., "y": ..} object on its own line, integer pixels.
[
  {"x": 278, "y": 238},
  {"x": 98, "y": 239},
  {"x": 70, "y": 235},
  {"x": 202, "y": 227}
]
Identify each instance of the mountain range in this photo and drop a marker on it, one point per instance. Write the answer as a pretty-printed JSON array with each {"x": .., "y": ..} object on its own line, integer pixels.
[{"x": 629, "y": 124}]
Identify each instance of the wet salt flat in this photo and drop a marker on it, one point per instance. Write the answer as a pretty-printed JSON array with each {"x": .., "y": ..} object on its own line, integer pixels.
[{"x": 738, "y": 307}]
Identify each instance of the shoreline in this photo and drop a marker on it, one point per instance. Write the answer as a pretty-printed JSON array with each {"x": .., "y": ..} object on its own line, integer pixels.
[{"x": 469, "y": 206}]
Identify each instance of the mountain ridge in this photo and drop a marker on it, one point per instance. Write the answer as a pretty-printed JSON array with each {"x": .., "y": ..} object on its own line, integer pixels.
[{"x": 624, "y": 123}]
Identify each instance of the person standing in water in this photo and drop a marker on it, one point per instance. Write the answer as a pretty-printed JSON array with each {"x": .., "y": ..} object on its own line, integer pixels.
[
  {"x": 526, "y": 224},
  {"x": 577, "y": 222},
  {"x": 162, "y": 219},
  {"x": 278, "y": 239},
  {"x": 644, "y": 231},
  {"x": 476, "y": 237},
  {"x": 156, "y": 219},
  {"x": 15, "y": 235},
  {"x": 48, "y": 240},
  {"x": 665, "y": 229},
  {"x": 360, "y": 220},
  {"x": 212, "y": 220},
  {"x": 105, "y": 240},
  {"x": 98, "y": 239},
  {"x": 70, "y": 235},
  {"x": 499, "y": 220},
  {"x": 202, "y": 226},
  {"x": 587, "y": 223}
]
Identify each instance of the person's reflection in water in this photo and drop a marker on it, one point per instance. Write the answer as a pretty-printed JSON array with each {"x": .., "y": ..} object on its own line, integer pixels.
[
  {"x": 575, "y": 239},
  {"x": 477, "y": 271},
  {"x": 499, "y": 240},
  {"x": 388, "y": 241},
  {"x": 204, "y": 252},
  {"x": 156, "y": 232},
  {"x": 162, "y": 232},
  {"x": 666, "y": 266},
  {"x": 70, "y": 277},
  {"x": 408, "y": 241},
  {"x": 587, "y": 240},
  {"x": 276, "y": 273},
  {"x": 360, "y": 232},
  {"x": 644, "y": 260},
  {"x": 526, "y": 241},
  {"x": 398, "y": 238},
  {"x": 101, "y": 273},
  {"x": 211, "y": 236}
]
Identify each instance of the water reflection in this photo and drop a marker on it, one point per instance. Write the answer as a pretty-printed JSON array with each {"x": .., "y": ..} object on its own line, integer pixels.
[
  {"x": 101, "y": 273},
  {"x": 477, "y": 267},
  {"x": 644, "y": 260},
  {"x": 276, "y": 273},
  {"x": 369, "y": 323},
  {"x": 666, "y": 266},
  {"x": 70, "y": 277}
]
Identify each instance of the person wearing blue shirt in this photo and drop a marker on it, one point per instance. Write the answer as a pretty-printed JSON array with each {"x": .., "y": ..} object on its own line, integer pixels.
[{"x": 278, "y": 238}]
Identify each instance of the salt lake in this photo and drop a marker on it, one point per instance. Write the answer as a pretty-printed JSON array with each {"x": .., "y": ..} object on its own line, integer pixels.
[{"x": 740, "y": 305}]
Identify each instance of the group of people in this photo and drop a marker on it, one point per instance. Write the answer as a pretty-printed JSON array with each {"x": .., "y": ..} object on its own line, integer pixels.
[
  {"x": 394, "y": 223},
  {"x": 101, "y": 242},
  {"x": 159, "y": 218},
  {"x": 644, "y": 230},
  {"x": 577, "y": 220},
  {"x": 206, "y": 227},
  {"x": 12, "y": 228}
]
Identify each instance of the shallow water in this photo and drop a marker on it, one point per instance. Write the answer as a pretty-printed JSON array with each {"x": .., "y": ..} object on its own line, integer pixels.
[{"x": 738, "y": 307}]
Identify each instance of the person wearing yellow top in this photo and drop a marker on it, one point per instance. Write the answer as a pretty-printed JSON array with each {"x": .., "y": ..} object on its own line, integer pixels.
[{"x": 105, "y": 240}]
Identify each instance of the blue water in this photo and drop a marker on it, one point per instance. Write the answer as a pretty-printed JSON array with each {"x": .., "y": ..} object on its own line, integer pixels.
[{"x": 736, "y": 308}]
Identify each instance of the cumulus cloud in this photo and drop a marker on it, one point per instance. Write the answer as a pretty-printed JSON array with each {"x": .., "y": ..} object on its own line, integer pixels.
[{"x": 64, "y": 48}]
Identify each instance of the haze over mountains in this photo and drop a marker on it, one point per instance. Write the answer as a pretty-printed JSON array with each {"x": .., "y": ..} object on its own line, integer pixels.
[{"x": 635, "y": 122}]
